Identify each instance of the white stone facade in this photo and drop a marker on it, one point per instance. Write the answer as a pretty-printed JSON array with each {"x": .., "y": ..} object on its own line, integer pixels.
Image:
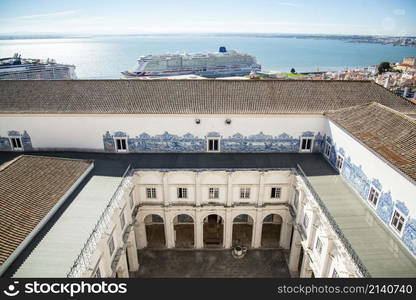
[{"x": 294, "y": 203}]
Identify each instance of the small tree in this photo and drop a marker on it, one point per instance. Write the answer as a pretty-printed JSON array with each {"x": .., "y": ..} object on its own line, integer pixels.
[
  {"x": 293, "y": 71},
  {"x": 384, "y": 67}
]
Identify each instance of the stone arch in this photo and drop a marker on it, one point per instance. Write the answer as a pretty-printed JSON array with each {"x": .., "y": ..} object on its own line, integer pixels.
[
  {"x": 242, "y": 234},
  {"x": 271, "y": 230},
  {"x": 213, "y": 230},
  {"x": 155, "y": 230},
  {"x": 183, "y": 226}
]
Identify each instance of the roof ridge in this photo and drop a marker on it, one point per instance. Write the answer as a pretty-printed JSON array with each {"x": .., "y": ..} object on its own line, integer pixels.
[
  {"x": 403, "y": 115},
  {"x": 348, "y": 108},
  {"x": 6, "y": 164},
  {"x": 58, "y": 158}
]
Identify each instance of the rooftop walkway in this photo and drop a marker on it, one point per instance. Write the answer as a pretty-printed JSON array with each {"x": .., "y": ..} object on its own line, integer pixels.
[
  {"x": 381, "y": 253},
  {"x": 57, "y": 251}
]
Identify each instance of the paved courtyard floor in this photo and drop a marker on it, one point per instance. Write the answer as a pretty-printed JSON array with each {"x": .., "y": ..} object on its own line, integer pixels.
[{"x": 162, "y": 263}]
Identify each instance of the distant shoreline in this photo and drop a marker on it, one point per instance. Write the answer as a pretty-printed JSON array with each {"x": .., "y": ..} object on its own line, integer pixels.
[{"x": 404, "y": 41}]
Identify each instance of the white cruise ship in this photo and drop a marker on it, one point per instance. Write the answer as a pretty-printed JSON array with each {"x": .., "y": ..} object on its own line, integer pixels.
[
  {"x": 15, "y": 67},
  {"x": 218, "y": 64}
]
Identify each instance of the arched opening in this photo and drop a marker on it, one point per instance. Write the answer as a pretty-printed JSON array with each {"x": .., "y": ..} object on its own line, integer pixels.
[
  {"x": 270, "y": 233},
  {"x": 213, "y": 231},
  {"x": 242, "y": 230},
  {"x": 155, "y": 231},
  {"x": 184, "y": 231}
]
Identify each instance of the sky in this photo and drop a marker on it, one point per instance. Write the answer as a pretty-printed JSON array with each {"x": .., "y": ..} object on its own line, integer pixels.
[{"x": 375, "y": 17}]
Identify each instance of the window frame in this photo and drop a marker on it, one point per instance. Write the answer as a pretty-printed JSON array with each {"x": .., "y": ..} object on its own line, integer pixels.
[
  {"x": 339, "y": 158},
  {"x": 305, "y": 221},
  {"x": 182, "y": 193},
  {"x": 218, "y": 144},
  {"x": 122, "y": 218},
  {"x": 215, "y": 193},
  {"x": 19, "y": 139},
  {"x": 328, "y": 147},
  {"x": 318, "y": 245},
  {"x": 273, "y": 195},
  {"x": 121, "y": 139},
  {"x": 111, "y": 245},
  {"x": 301, "y": 144},
  {"x": 401, "y": 216},
  {"x": 245, "y": 193},
  {"x": 151, "y": 191},
  {"x": 378, "y": 192}
]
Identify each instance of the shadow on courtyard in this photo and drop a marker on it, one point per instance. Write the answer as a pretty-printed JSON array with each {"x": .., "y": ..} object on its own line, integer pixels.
[{"x": 163, "y": 263}]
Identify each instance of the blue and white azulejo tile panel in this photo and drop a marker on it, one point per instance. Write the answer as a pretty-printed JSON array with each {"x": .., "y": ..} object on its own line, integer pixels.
[{"x": 358, "y": 180}]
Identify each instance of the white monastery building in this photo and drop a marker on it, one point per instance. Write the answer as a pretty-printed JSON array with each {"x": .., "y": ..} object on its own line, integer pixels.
[{"x": 97, "y": 170}]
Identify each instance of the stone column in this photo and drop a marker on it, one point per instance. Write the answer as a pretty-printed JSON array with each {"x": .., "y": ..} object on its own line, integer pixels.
[
  {"x": 257, "y": 228},
  {"x": 197, "y": 190},
  {"x": 122, "y": 269},
  {"x": 140, "y": 233},
  {"x": 260, "y": 199},
  {"x": 228, "y": 229},
  {"x": 286, "y": 232},
  {"x": 166, "y": 198},
  {"x": 229, "y": 200},
  {"x": 198, "y": 230},
  {"x": 295, "y": 251},
  {"x": 132, "y": 253},
  {"x": 305, "y": 271},
  {"x": 169, "y": 230},
  {"x": 325, "y": 259}
]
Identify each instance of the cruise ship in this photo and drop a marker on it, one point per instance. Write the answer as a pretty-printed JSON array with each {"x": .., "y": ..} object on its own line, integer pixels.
[
  {"x": 211, "y": 65},
  {"x": 17, "y": 67}
]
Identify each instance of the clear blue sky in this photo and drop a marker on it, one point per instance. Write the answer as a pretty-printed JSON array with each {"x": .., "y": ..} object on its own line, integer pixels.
[{"x": 385, "y": 17}]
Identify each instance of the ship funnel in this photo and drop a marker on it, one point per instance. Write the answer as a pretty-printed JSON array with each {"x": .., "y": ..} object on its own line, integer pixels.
[{"x": 222, "y": 49}]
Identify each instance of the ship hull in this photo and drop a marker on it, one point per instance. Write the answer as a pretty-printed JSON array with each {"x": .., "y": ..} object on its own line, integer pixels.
[{"x": 210, "y": 73}]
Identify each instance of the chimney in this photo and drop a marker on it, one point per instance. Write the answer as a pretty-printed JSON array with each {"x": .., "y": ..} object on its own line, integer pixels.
[
  {"x": 387, "y": 83},
  {"x": 405, "y": 92}
]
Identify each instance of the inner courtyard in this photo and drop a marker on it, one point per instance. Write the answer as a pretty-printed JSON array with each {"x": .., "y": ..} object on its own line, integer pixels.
[{"x": 213, "y": 263}]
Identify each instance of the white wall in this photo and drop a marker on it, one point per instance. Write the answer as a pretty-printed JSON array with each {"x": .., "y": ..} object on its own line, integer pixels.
[
  {"x": 86, "y": 132},
  {"x": 198, "y": 184},
  {"x": 392, "y": 181}
]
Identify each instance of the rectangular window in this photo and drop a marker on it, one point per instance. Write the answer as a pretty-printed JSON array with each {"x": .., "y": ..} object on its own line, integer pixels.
[
  {"x": 131, "y": 201},
  {"x": 296, "y": 200},
  {"x": 244, "y": 193},
  {"x": 305, "y": 221},
  {"x": 111, "y": 245},
  {"x": 276, "y": 192},
  {"x": 373, "y": 196},
  {"x": 16, "y": 143},
  {"x": 318, "y": 245},
  {"x": 213, "y": 145},
  {"x": 122, "y": 219},
  {"x": 151, "y": 193},
  {"x": 340, "y": 162},
  {"x": 214, "y": 193},
  {"x": 306, "y": 144},
  {"x": 121, "y": 144},
  {"x": 182, "y": 193},
  {"x": 327, "y": 150},
  {"x": 398, "y": 221}
]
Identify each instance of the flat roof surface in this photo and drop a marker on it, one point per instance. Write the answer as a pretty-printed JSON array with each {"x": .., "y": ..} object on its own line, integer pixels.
[
  {"x": 30, "y": 187},
  {"x": 57, "y": 251},
  {"x": 378, "y": 249}
]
